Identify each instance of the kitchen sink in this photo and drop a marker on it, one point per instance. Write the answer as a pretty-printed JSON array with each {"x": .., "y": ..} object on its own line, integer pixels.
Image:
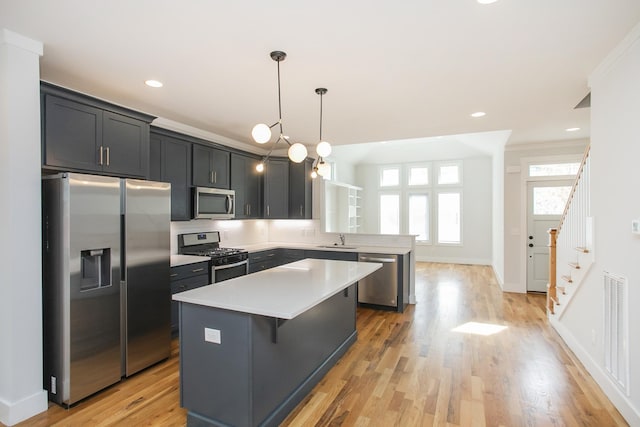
[{"x": 337, "y": 247}]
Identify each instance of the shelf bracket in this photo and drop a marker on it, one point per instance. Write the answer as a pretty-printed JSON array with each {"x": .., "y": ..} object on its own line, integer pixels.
[{"x": 275, "y": 324}]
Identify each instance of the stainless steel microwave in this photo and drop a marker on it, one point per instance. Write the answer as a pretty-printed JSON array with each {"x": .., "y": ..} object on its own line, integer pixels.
[{"x": 213, "y": 203}]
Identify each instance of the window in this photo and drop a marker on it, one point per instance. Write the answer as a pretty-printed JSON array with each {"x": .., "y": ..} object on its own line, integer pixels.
[
  {"x": 390, "y": 213},
  {"x": 419, "y": 216},
  {"x": 449, "y": 209},
  {"x": 550, "y": 200},
  {"x": 449, "y": 173},
  {"x": 390, "y": 177},
  {"x": 423, "y": 199},
  {"x": 557, "y": 169},
  {"x": 418, "y": 175}
]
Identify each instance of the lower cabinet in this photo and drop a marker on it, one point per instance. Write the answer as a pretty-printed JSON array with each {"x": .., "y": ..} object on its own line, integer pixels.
[
  {"x": 184, "y": 278},
  {"x": 264, "y": 260},
  {"x": 340, "y": 256}
]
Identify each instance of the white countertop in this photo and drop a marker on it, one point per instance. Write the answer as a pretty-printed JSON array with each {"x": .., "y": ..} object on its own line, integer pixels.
[
  {"x": 283, "y": 292},
  {"x": 178, "y": 260},
  {"x": 329, "y": 247}
]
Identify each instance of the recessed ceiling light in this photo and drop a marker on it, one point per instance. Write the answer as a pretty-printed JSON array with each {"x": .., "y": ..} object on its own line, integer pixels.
[
  {"x": 572, "y": 129},
  {"x": 486, "y": 1},
  {"x": 478, "y": 114},
  {"x": 153, "y": 83}
]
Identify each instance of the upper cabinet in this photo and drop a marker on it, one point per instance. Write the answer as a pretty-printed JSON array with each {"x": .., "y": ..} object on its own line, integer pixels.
[
  {"x": 246, "y": 182},
  {"x": 276, "y": 189},
  {"x": 85, "y": 134},
  {"x": 210, "y": 167},
  {"x": 300, "y": 184},
  {"x": 170, "y": 161}
]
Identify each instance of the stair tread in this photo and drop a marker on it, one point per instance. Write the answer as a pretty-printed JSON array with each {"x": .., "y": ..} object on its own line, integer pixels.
[
  {"x": 567, "y": 279},
  {"x": 582, "y": 249},
  {"x": 574, "y": 265}
]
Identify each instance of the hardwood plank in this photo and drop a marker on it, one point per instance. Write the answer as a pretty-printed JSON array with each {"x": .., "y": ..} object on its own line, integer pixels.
[{"x": 408, "y": 369}]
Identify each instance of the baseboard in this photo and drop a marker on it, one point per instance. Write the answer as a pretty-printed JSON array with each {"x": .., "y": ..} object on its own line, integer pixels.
[
  {"x": 615, "y": 395},
  {"x": 453, "y": 260},
  {"x": 13, "y": 413}
]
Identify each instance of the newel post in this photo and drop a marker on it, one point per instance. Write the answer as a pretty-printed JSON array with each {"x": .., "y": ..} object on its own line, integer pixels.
[{"x": 551, "y": 287}]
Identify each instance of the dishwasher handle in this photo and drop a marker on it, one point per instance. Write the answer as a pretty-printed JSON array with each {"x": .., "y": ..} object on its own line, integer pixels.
[{"x": 372, "y": 259}]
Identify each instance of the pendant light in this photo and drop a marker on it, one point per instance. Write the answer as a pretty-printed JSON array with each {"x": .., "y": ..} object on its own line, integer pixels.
[
  {"x": 261, "y": 132},
  {"x": 323, "y": 148}
]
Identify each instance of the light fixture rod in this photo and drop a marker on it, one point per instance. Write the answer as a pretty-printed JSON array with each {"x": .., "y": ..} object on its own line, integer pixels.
[{"x": 321, "y": 91}]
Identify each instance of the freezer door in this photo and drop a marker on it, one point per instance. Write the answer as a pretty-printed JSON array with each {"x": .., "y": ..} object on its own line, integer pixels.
[
  {"x": 146, "y": 209},
  {"x": 81, "y": 285}
]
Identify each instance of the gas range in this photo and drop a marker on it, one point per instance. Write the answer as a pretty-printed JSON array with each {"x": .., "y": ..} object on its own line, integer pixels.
[{"x": 225, "y": 263}]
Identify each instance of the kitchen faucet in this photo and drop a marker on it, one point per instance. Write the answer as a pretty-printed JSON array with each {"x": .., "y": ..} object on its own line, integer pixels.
[{"x": 341, "y": 239}]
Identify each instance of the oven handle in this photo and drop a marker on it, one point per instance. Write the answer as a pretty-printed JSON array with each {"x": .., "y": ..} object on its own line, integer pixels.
[{"x": 237, "y": 264}]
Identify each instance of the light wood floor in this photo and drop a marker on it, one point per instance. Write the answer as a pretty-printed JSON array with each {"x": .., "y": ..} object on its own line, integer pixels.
[{"x": 409, "y": 369}]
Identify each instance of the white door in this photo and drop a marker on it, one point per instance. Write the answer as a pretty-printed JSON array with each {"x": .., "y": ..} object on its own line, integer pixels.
[{"x": 546, "y": 201}]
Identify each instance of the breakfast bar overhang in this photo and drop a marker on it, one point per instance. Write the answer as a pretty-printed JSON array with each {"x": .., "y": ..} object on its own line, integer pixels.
[{"x": 252, "y": 348}]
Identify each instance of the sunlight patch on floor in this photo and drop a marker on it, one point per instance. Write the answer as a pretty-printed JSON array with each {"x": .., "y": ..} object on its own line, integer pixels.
[{"x": 479, "y": 328}]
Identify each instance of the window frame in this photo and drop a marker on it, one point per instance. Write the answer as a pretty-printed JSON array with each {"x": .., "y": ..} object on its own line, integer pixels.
[
  {"x": 437, "y": 213},
  {"x": 441, "y": 164}
]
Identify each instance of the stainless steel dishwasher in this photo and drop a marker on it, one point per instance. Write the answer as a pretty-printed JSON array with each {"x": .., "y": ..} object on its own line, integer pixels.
[{"x": 381, "y": 286}]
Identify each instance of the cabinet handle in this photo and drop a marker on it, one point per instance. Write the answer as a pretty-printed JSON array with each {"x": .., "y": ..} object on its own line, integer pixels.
[
  {"x": 107, "y": 150},
  {"x": 197, "y": 270},
  {"x": 173, "y": 275},
  {"x": 101, "y": 150},
  {"x": 211, "y": 177},
  {"x": 301, "y": 213},
  {"x": 271, "y": 255},
  {"x": 215, "y": 177},
  {"x": 268, "y": 210}
]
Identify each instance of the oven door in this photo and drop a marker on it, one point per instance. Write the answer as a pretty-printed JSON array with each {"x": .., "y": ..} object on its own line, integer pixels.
[{"x": 220, "y": 273}]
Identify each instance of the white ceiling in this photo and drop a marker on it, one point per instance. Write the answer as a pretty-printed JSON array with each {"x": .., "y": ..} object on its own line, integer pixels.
[{"x": 394, "y": 70}]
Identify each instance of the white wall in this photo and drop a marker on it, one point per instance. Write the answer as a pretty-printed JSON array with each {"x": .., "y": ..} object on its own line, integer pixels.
[
  {"x": 615, "y": 150},
  {"x": 477, "y": 203},
  {"x": 515, "y": 203},
  {"x": 497, "y": 223},
  {"x": 21, "y": 392}
]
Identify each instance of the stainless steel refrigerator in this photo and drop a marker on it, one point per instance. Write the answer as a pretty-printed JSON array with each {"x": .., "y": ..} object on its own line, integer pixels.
[{"x": 106, "y": 295}]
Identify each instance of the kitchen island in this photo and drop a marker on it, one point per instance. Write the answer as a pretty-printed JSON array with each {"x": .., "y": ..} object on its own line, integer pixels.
[{"x": 251, "y": 348}]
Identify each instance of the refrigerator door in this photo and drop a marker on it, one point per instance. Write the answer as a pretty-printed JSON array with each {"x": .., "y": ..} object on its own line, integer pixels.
[
  {"x": 81, "y": 285},
  {"x": 146, "y": 300}
]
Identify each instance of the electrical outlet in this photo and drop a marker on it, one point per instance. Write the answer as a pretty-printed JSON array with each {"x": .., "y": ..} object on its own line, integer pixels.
[
  {"x": 212, "y": 335},
  {"x": 54, "y": 385}
]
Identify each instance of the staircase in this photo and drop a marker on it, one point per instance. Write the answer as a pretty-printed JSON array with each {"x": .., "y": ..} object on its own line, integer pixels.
[{"x": 571, "y": 244}]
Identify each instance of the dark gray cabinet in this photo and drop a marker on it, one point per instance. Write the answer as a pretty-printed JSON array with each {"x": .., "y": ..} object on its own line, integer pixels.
[
  {"x": 80, "y": 133},
  {"x": 247, "y": 183},
  {"x": 343, "y": 256},
  {"x": 300, "y": 184},
  {"x": 184, "y": 278},
  {"x": 264, "y": 260},
  {"x": 276, "y": 189},
  {"x": 210, "y": 167},
  {"x": 170, "y": 161}
]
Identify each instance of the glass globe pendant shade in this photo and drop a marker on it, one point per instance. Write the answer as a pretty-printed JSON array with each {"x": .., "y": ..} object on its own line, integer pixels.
[
  {"x": 297, "y": 152},
  {"x": 261, "y": 133},
  {"x": 324, "y": 169},
  {"x": 314, "y": 174},
  {"x": 260, "y": 167},
  {"x": 323, "y": 149}
]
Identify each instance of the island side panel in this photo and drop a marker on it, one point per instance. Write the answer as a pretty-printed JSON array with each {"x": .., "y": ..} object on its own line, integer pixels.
[
  {"x": 303, "y": 345},
  {"x": 215, "y": 379}
]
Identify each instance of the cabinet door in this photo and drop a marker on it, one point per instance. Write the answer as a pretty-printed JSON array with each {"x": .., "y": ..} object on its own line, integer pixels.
[
  {"x": 176, "y": 161},
  {"x": 201, "y": 165},
  {"x": 245, "y": 180},
  {"x": 125, "y": 143},
  {"x": 276, "y": 189},
  {"x": 210, "y": 167},
  {"x": 170, "y": 161},
  {"x": 300, "y": 184},
  {"x": 72, "y": 134},
  {"x": 220, "y": 168}
]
